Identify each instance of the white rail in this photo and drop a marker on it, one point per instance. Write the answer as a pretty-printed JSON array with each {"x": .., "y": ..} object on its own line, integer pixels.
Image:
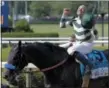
[
  {"x": 96, "y": 42},
  {"x": 43, "y": 38}
]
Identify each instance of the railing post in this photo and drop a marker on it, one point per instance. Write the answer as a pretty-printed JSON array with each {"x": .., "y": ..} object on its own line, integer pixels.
[
  {"x": 102, "y": 16},
  {"x": 28, "y": 78}
]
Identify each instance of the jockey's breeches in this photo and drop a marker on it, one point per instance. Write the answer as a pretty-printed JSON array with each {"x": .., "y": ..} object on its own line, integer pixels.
[{"x": 82, "y": 47}]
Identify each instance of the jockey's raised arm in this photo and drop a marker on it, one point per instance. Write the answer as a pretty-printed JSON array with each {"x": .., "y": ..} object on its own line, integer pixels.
[{"x": 66, "y": 19}]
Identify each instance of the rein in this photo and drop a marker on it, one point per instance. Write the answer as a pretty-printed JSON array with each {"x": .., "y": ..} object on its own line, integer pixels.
[{"x": 53, "y": 67}]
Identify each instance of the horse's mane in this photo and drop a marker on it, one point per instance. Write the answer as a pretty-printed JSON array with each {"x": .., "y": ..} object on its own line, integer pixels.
[
  {"x": 41, "y": 46},
  {"x": 51, "y": 46}
]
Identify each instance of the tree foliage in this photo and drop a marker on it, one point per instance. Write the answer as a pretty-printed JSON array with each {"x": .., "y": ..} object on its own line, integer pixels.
[
  {"x": 22, "y": 25},
  {"x": 40, "y": 9},
  {"x": 55, "y": 8}
]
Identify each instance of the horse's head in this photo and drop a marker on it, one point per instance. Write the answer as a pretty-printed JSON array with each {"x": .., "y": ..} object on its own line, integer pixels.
[{"x": 16, "y": 62}]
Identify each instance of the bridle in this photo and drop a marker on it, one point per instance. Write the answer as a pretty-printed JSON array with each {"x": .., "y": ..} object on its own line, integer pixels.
[{"x": 20, "y": 61}]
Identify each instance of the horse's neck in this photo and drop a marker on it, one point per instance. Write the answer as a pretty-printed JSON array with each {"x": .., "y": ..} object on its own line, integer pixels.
[{"x": 38, "y": 57}]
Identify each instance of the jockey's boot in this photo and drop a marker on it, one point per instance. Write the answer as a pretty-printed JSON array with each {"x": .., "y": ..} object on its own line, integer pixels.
[
  {"x": 79, "y": 56},
  {"x": 88, "y": 65}
]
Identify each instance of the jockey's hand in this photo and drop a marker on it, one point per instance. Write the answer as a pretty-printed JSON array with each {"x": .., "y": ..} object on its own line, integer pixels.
[
  {"x": 66, "y": 11},
  {"x": 71, "y": 44},
  {"x": 72, "y": 38}
]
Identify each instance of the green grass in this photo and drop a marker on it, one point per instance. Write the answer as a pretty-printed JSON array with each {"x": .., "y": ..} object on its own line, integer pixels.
[
  {"x": 100, "y": 47},
  {"x": 5, "y": 51},
  {"x": 63, "y": 32},
  {"x": 3, "y": 81}
]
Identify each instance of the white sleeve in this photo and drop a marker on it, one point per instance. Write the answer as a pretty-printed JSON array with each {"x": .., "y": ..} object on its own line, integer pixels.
[{"x": 66, "y": 45}]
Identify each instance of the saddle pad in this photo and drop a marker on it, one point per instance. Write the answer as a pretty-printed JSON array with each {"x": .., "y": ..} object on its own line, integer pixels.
[{"x": 100, "y": 63}]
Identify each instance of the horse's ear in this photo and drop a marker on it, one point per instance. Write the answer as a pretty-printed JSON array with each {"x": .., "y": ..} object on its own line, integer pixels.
[{"x": 19, "y": 44}]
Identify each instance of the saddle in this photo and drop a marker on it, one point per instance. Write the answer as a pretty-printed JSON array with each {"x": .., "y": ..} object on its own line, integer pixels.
[{"x": 100, "y": 63}]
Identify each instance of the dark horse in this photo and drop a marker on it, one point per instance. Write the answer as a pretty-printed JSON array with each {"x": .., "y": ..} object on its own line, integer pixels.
[{"x": 60, "y": 70}]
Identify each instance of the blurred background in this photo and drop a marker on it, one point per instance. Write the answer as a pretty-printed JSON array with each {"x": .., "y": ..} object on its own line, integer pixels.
[
  {"x": 44, "y": 16},
  {"x": 41, "y": 19}
]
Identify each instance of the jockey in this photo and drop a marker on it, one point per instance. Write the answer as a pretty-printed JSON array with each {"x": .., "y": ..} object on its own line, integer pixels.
[{"x": 84, "y": 36}]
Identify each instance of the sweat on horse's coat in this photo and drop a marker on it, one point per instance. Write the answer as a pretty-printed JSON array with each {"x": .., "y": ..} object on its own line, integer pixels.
[{"x": 44, "y": 55}]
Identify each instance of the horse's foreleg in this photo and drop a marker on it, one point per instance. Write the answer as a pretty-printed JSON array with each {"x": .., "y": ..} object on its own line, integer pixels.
[{"x": 46, "y": 83}]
